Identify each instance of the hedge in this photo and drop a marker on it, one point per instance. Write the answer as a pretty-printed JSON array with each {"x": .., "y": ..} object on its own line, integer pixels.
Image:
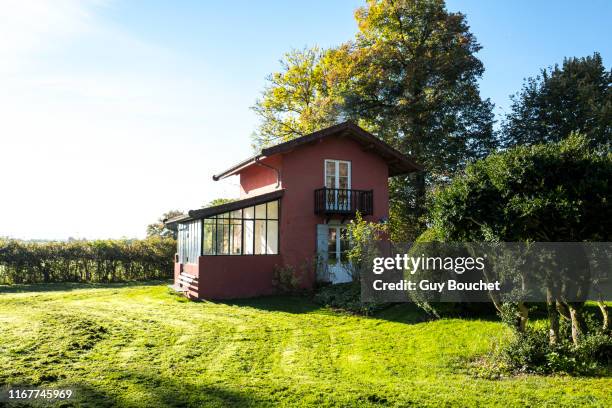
[{"x": 86, "y": 261}]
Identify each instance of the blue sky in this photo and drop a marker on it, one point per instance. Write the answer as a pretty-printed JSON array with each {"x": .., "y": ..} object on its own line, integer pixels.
[{"x": 116, "y": 111}]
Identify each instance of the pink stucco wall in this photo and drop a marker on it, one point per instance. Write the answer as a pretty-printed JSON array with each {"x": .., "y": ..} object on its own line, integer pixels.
[
  {"x": 258, "y": 179},
  {"x": 303, "y": 172},
  {"x": 229, "y": 277}
]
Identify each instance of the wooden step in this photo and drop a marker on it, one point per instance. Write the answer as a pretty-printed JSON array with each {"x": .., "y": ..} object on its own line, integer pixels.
[
  {"x": 188, "y": 278},
  {"x": 187, "y": 282},
  {"x": 190, "y": 284}
]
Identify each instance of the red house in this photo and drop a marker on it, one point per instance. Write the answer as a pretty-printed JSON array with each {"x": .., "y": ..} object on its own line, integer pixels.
[{"x": 295, "y": 201}]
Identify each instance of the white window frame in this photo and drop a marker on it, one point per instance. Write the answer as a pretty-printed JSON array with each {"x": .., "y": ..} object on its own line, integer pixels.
[{"x": 337, "y": 172}]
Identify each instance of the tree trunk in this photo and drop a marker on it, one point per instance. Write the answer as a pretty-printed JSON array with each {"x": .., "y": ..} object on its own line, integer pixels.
[
  {"x": 553, "y": 317},
  {"x": 606, "y": 317},
  {"x": 523, "y": 315},
  {"x": 563, "y": 310},
  {"x": 578, "y": 324}
]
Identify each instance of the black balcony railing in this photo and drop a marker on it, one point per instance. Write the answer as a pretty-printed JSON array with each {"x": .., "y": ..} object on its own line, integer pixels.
[{"x": 330, "y": 201}]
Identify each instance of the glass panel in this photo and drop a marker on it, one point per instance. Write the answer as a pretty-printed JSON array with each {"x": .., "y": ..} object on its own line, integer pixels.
[
  {"x": 344, "y": 245},
  {"x": 224, "y": 215},
  {"x": 273, "y": 210},
  {"x": 236, "y": 214},
  {"x": 272, "y": 241},
  {"x": 209, "y": 237},
  {"x": 249, "y": 212},
  {"x": 260, "y": 237},
  {"x": 260, "y": 211},
  {"x": 343, "y": 182},
  {"x": 331, "y": 246},
  {"x": 248, "y": 237},
  {"x": 344, "y": 169},
  {"x": 236, "y": 237},
  {"x": 219, "y": 240},
  {"x": 330, "y": 174},
  {"x": 226, "y": 239},
  {"x": 223, "y": 237}
]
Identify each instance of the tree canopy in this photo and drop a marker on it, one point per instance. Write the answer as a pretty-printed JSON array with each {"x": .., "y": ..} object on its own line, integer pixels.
[
  {"x": 576, "y": 97},
  {"x": 556, "y": 192},
  {"x": 297, "y": 101},
  {"x": 409, "y": 76}
]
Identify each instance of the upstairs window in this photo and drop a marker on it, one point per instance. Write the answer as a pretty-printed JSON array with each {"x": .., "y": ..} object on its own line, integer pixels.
[
  {"x": 338, "y": 174},
  {"x": 247, "y": 231},
  {"x": 338, "y": 181}
]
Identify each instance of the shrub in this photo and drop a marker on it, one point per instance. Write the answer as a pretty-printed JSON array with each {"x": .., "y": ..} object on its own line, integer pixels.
[
  {"x": 532, "y": 352},
  {"x": 366, "y": 239},
  {"x": 86, "y": 261},
  {"x": 289, "y": 279},
  {"x": 346, "y": 297}
]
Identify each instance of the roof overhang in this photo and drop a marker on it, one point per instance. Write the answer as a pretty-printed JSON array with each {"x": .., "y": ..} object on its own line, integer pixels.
[
  {"x": 220, "y": 209},
  {"x": 398, "y": 162},
  {"x": 237, "y": 167}
]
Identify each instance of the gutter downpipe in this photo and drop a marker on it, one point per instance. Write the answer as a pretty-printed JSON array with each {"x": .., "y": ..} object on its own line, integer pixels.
[{"x": 278, "y": 173}]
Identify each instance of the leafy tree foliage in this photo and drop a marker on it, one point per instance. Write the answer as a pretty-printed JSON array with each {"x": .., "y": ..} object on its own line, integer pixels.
[
  {"x": 555, "y": 192},
  {"x": 219, "y": 201},
  {"x": 576, "y": 97},
  {"x": 159, "y": 229},
  {"x": 414, "y": 81},
  {"x": 410, "y": 76},
  {"x": 298, "y": 100}
]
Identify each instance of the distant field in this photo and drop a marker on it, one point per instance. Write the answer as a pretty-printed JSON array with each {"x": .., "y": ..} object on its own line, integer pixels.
[{"x": 142, "y": 346}]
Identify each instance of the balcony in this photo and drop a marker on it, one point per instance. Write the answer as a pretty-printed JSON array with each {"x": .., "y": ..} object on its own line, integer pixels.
[{"x": 335, "y": 201}]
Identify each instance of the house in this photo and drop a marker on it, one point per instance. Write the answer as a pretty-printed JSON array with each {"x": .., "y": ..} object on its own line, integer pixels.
[{"x": 295, "y": 201}]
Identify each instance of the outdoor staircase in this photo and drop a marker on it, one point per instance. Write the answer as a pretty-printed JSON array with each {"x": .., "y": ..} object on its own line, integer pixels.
[{"x": 187, "y": 284}]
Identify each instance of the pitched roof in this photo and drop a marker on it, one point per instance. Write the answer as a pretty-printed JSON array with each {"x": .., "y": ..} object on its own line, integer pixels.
[
  {"x": 398, "y": 162},
  {"x": 220, "y": 209}
]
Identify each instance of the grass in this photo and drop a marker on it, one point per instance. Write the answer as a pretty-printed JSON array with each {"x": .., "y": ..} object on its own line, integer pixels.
[{"x": 141, "y": 346}]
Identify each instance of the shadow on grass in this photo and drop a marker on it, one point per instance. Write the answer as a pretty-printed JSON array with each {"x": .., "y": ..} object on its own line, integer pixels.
[
  {"x": 83, "y": 396},
  {"x": 139, "y": 388},
  {"x": 70, "y": 286},
  {"x": 294, "y": 304}
]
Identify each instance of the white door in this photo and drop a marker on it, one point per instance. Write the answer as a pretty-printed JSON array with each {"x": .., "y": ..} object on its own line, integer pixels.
[
  {"x": 338, "y": 180},
  {"x": 337, "y": 265}
]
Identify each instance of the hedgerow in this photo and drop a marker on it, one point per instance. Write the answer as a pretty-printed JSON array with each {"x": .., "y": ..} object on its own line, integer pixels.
[{"x": 86, "y": 261}]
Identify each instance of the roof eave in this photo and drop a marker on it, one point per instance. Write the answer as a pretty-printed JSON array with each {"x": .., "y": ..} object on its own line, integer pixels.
[
  {"x": 405, "y": 163},
  {"x": 237, "y": 167}
]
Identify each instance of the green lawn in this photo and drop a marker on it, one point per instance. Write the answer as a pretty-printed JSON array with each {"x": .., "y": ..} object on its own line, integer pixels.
[{"x": 140, "y": 345}]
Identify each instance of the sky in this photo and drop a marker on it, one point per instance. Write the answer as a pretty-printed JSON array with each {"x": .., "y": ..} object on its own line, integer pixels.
[{"x": 114, "y": 112}]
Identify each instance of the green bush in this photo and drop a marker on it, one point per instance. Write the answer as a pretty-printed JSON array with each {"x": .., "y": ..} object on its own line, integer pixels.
[
  {"x": 346, "y": 297},
  {"x": 532, "y": 352},
  {"x": 86, "y": 261},
  {"x": 557, "y": 192}
]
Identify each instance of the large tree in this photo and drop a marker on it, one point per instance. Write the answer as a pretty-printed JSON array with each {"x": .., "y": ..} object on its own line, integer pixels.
[
  {"x": 297, "y": 100},
  {"x": 576, "y": 97},
  {"x": 410, "y": 76},
  {"x": 413, "y": 80}
]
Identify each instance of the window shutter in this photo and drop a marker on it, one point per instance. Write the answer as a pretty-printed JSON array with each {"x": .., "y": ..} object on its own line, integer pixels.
[{"x": 322, "y": 233}]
